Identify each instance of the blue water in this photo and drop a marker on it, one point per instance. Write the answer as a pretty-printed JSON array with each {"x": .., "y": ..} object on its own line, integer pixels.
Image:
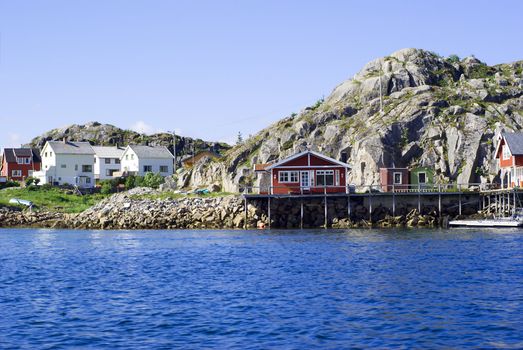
[{"x": 261, "y": 290}]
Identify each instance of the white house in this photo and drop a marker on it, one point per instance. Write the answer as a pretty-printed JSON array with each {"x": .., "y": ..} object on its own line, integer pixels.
[
  {"x": 107, "y": 161},
  {"x": 67, "y": 163},
  {"x": 139, "y": 160}
]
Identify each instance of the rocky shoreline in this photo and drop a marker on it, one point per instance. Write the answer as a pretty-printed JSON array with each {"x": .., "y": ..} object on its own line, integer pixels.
[{"x": 132, "y": 211}]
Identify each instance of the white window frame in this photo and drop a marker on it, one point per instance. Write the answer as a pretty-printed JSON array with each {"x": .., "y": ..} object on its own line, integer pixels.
[
  {"x": 288, "y": 177},
  {"x": 16, "y": 173},
  {"x": 324, "y": 173},
  {"x": 27, "y": 160},
  {"x": 394, "y": 178},
  {"x": 148, "y": 167},
  {"x": 506, "y": 152},
  {"x": 20, "y": 160},
  {"x": 165, "y": 168}
]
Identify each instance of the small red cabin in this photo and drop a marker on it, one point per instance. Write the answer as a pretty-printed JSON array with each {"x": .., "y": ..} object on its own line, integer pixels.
[
  {"x": 20, "y": 163},
  {"x": 509, "y": 151},
  {"x": 308, "y": 172},
  {"x": 396, "y": 179}
]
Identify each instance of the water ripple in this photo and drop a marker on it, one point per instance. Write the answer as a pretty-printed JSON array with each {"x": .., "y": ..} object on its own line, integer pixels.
[{"x": 261, "y": 290}]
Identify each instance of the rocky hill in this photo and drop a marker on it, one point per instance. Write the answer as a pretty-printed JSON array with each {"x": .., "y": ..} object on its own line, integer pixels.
[
  {"x": 438, "y": 112},
  {"x": 109, "y": 135}
]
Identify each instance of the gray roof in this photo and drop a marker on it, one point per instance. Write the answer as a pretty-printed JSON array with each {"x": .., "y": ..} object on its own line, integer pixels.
[
  {"x": 108, "y": 152},
  {"x": 12, "y": 153},
  {"x": 60, "y": 147},
  {"x": 151, "y": 152},
  {"x": 515, "y": 142}
]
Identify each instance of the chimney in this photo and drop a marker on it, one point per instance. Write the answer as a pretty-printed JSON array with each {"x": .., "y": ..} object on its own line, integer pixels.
[
  {"x": 117, "y": 147},
  {"x": 64, "y": 140}
]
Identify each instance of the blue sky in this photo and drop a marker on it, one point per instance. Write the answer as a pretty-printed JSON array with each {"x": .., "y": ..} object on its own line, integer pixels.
[{"x": 212, "y": 68}]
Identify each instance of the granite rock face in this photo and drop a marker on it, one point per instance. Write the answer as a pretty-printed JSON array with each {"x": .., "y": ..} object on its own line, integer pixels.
[{"x": 433, "y": 111}]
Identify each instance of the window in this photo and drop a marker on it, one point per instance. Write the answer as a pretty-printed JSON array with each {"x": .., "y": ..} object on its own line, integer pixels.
[
  {"x": 87, "y": 168},
  {"x": 422, "y": 178},
  {"x": 20, "y": 160},
  {"x": 76, "y": 167},
  {"x": 50, "y": 154},
  {"x": 63, "y": 166},
  {"x": 506, "y": 152},
  {"x": 132, "y": 156},
  {"x": 325, "y": 177},
  {"x": 288, "y": 176},
  {"x": 398, "y": 178},
  {"x": 87, "y": 180},
  {"x": 46, "y": 154},
  {"x": 27, "y": 160},
  {"x": 164, "y": 168},
  {"x": 126, "y": 157},
  {"x": 16, "y": 173},
  {"x": 94, "y": 160},
  {"x": 147, "y": 168},
  {"x": 116, "y": 160},
  {"x": 107, "y": 160}
]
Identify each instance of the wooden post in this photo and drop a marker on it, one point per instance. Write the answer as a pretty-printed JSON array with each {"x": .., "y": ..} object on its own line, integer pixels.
[
  {"x": 269, "y": 209},
  {"x": 489, "y": 203},
  {"x": 245, "y": 218},
  {"x": 439, "y": 200},
  {"x": 325, "y": 207},
  {"x": 393, "y": 200},
  {"x": 459, "y": 191},
  {"x": 370, "y": 204},
  {"x": 419, "y": 199},
  {"x": 301, "y": 213},
  {"x": 348, "y": 206},
  {"x": 514, "y": 197}
]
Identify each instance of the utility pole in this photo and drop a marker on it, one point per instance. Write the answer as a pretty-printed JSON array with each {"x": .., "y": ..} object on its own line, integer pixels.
[
  {"x": 174, "y": 148},
  {"x": 381, "y": 94}
]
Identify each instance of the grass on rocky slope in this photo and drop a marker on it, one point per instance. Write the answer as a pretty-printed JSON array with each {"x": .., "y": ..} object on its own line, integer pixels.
[
  {"x": 51, "y": 199},
  {"x": 173, "y": 195}
]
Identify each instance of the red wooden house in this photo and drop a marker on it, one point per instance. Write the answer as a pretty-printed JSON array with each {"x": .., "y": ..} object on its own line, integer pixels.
[
  {"x": 20, "y": 163},
  {"x": 394, "y": 179},
  {"x": 509, "y": 151},
  {"x": 308, "y": 172}
]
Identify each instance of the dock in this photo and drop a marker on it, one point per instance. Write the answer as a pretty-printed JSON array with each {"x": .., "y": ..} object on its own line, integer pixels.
[{"x": 453, "y": 197}]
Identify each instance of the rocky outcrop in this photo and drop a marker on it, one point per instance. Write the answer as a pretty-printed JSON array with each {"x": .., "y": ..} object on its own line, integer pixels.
[
  {"x": 14, "y": 217},
  {"x": 433, "y": 111},
  {"x": 109, "y": 135}
]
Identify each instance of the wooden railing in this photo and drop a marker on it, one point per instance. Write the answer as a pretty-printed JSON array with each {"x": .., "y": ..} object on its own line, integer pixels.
[{"x": 362, "y": 189}]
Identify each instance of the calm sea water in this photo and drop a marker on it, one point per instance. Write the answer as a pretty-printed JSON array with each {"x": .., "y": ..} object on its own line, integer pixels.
[{"x": 261, "y": 290}]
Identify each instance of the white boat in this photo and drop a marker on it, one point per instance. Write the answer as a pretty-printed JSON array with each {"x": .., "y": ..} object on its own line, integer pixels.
[
  {"x": 21, "y": 201},
  {"x": 516, "y": 221}
]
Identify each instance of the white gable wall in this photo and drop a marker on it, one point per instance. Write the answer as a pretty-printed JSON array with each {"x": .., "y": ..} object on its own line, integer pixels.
[{"x": 66, "y": 169}]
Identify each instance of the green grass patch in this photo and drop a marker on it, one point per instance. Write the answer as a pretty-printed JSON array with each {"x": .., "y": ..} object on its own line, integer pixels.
[
  {"x": 51, "y": 199},
  {"x": 174, "y": 195}
]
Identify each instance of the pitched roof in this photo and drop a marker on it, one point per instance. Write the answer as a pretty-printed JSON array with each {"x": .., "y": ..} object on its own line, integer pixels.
[
  {"x": 151, "y": 152},
  {"x": 298, "y": 155},
  {"x": 12, "y": 153},
  {"x": 60, "y": 147},
  {"x": 108, "y": 152},
  {"x": 514, "y": 141}
]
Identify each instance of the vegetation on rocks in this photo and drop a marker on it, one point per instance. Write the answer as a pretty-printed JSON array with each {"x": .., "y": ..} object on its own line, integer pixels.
[
  {"x": 51, "y": 199},
  {"x": 442, "y": 113}
]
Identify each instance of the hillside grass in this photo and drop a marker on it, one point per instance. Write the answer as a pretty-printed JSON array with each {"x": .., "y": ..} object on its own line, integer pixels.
[
  {"x": 51, "y": 199},
  {"x": 173, "y": 195}
]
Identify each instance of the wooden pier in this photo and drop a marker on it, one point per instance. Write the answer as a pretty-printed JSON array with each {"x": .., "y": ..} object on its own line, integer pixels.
[{"x": 498, "y": 202}]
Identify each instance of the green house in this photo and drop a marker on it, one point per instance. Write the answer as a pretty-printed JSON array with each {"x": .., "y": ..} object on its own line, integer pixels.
[{"x": 421, "y": 176}]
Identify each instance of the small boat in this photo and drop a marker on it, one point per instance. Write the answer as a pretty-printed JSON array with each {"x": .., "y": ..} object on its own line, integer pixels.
[
  {"x": 21, "y": 201},
  {"x": 513, "y": 221}
]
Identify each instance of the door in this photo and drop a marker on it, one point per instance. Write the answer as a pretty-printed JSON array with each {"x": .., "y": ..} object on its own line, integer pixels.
[{"x": 305, "y": 180}]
